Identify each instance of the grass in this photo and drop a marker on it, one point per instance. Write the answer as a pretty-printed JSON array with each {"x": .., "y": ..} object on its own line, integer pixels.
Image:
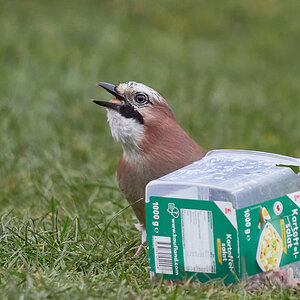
[{"x": 230, "y": 71}]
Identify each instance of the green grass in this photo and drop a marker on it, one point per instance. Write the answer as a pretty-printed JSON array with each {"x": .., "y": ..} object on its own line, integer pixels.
[{"x": 230, "y": 71}]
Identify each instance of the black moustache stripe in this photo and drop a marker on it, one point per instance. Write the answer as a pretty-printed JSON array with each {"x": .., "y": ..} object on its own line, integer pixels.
[{"x": 128, "y": 111}]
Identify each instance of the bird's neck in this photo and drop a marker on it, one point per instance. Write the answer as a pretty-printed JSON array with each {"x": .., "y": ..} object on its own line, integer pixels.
[
  {"x": 162, "y": 144},
  {"x": 127, "y": 131},
  {"x": 160, "y": 140},
  {"x": 132, "y": 153}
]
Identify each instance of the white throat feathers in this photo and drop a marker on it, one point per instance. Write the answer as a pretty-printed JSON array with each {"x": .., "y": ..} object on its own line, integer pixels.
[{"x": 128, "y": 131}]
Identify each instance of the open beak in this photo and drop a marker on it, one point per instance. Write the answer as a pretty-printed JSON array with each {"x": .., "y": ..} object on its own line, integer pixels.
[
  {"x": 115, "y": 105},
  {"x": 120, "y": 104}
]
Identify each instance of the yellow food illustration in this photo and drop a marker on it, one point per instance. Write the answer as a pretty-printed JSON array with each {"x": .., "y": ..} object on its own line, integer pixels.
[
  {"x": 265, "y": 214},
  {"x": 270, "y": 249}
]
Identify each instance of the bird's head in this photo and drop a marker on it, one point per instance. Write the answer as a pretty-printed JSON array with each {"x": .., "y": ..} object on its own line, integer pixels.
[{"x": 136, "y": 110}]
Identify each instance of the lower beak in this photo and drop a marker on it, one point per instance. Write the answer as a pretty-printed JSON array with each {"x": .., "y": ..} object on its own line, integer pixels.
[{"x": 111, "y": 104}]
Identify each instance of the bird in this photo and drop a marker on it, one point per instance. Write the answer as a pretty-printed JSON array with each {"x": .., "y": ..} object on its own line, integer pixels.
[{"x": 153, "y": 142}]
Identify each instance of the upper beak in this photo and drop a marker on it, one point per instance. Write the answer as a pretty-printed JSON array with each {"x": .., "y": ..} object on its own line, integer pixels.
[
  {"x": 111, "y": 89},
  {"x": 111, "y": 104}
]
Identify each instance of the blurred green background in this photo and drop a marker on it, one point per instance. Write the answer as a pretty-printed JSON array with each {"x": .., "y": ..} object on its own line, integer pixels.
[{"x": 230, "y": 70}]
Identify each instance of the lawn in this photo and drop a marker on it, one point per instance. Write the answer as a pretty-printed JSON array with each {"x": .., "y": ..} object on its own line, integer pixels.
[{"x": 229, "y": 70}]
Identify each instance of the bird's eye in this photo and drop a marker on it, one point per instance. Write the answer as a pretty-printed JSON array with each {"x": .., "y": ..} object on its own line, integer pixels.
[{"x": 141, "y": 98}]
